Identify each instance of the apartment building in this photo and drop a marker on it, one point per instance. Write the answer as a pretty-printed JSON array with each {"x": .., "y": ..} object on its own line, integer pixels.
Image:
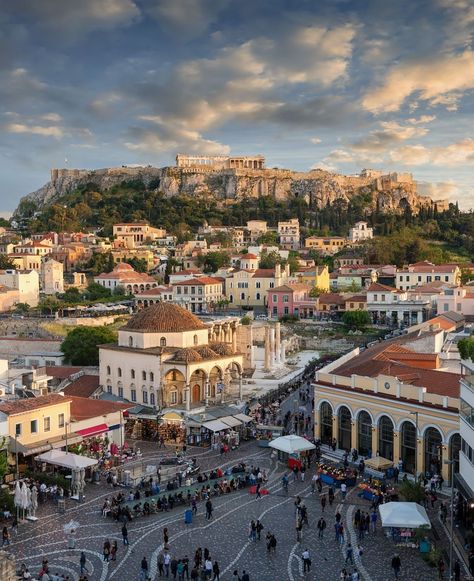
[
  {"x": 289, "y": 234},
  {"x": 198, "y": 295},
  {"x": 421, "y": 273},
  {"x": 360, "y": 232},
  {"x": 326, "y": 245},
  {"x": 136, "y": 234}
]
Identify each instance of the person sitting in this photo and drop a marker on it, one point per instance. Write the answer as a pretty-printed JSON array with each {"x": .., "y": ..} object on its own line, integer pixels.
[
  {"x": 106, "y": 507},
  {"x": 137, "y": 509},
  {"x": 146, "y": 509}
]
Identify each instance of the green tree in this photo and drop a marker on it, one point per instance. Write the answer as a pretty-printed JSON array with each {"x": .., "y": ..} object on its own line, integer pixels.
[
  {"x": 269, "y": 259},
  {"x": 80, "y": 347},
  {"x": 270, "y": 238},
  {"x": 49, "y": 305},
  {"x": 6, "y": 263},
  {"x": 72, "y": 295},
  {"x": 22, "y": 308},
  {"x": 138, "y": 264},
  {"x": 356, "y": 320},
  {"x": 466, "y": 348},
  {"x": 212, "y": 261},
  {"x": 96, "y": 291},
  {"x": 412, "y": 491}
]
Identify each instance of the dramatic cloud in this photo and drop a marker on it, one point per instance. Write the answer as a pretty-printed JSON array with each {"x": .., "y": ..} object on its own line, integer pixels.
[
  {"x": 51, "y": 131},
  {"x": 452, "y": 155},
  {"x": 440, "y": 81},
  {"x": 390, "y": 132}
]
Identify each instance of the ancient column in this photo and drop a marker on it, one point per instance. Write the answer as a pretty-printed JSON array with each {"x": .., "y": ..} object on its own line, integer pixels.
[
  {"x": 396, "y": 446},
  {"x": 283, "y": 351},
  {"x": 267, "y": 348},
  {"x": 272, "y": 347},
  {"x": 277, "y": 343},
  {"x": 234, "y": 337},
  {"x": 375, "y": 440},
  {"x": 207, "y": 390},
  {"x": 240, "y": 387},
  {"x": 187, "y": 391}
]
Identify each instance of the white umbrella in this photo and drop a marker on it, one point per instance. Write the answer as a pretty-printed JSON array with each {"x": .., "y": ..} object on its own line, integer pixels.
[
  {"x": 291, "y": 444},
  {"x": 17, "y": 497},
  {"x": 403, "y": 515},
  {"x": 34, "y": 499},
  {"x": 24, "y": 497},
  {"x": 72, "y": 525}
]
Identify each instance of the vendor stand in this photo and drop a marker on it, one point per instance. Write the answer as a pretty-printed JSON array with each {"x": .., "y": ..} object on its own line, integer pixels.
[
  {"x": 402, "y": 520},
  {"x": 265, "y": 434},
  {"x": 381, "y": 465},
  {"x": 290, "y": 448},
  {"x": 336, "y": 476}
]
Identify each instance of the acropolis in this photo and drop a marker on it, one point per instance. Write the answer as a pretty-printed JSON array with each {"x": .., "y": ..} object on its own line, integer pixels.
[{"x": 221, "y": 161}]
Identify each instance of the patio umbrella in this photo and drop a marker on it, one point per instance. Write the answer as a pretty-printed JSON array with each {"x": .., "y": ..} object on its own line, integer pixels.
[
  {"x": 291, "y": 444},
  {"x": 24, "y": 498},
  {"x": 34, "y": 500},
  {"x": 17, "y": 496}
]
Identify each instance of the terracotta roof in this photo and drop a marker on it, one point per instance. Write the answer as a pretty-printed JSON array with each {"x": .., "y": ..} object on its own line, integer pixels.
[
  {"x": 331, "y": 298},
  {"x": 157, "y": 291},
  {"x": 188, "y": 271},
  {"x": 249, "y": 256},
  {"x": 124, "y": 272},
  {"x": 443, "y": 323},
  {"x": 206, "y": 352},
  {"x": 83, "y": 408},
  {"x": 201, "y": 280},
  {"x": 187, "y": 355},
  {"x": 19, "y": 406},
  {"x": 264, "y": 273},
  {"x": 222, "y": 349},
  {"x": 83, "y": 386},
  {"x": 61, "y": 371},
  {"x": 298, "y": 286},
  {"x": 357, "y": 299},
  {"x": 163, "y": 318},
  {"x": 377, "y": 287}
]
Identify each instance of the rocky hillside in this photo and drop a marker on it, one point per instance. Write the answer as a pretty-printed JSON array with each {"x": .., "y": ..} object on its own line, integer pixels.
[{"x": 319, "y": 188}]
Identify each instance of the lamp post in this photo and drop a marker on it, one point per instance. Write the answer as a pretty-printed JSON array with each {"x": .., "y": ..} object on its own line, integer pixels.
[
  {"x": 17, "y": 473},
  {"x": 416, "y": 444},
  {"x": 65, "y": 427},
  {"x": 295, "y": 406},
  {"x": 451, "y": 540}
]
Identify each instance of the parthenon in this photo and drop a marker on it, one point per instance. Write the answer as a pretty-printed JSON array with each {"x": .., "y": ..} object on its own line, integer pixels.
[{"x": 221, "y": 161}]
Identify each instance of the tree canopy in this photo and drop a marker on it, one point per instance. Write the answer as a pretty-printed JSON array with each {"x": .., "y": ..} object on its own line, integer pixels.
[
  {"x": 80, "y": 347},
  {"x": 356, "y": 320},
  {"x": 466, "y": 348}
]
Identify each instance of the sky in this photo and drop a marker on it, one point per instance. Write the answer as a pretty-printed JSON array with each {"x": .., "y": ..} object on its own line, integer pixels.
[{"x": 335, "y": 84}]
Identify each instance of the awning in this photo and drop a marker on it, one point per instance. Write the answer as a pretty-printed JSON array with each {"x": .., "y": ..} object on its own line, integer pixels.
[
  {"x": 378, "y": 463},
  {"x": 230, "y": 421},
  {"x": 291, "y": 444},
  {"x": 71, "y": 461},
  {"x": 94, "y": 431},
  {"x": 37, "y": 450},
  {"x": 402, "y": 515},
  {"x": 42, "y": 445},
  {"x": 215, "y": 426},
  {"x": 244, "y": 418}
]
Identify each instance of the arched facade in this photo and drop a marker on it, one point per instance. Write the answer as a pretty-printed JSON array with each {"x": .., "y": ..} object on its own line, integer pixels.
[
  {"x": 326, "y": 422},
  {"x": 408, "y": 446},
  {"x": 433, "y": 450},
  {"x": 344, "y": 437},
  {"x": 385, "y": 444},
  {"x": 364, "y": 433}
]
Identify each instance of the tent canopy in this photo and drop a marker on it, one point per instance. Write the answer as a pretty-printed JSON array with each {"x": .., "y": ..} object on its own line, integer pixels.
[
  {"x": 66, "y": 460},
  {"x": 215, "y": 426},
  {"x": 378, "y": 463},
  {"x": 408, "y": 515},
  {"x": 291, "y": 444}
]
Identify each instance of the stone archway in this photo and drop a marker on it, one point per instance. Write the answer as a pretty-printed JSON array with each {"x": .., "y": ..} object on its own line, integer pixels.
[{"x": 196, "y": 393}]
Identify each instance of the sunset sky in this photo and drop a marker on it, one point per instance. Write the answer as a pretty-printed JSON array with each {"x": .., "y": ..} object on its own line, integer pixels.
[{"x": 336, "y": 84}]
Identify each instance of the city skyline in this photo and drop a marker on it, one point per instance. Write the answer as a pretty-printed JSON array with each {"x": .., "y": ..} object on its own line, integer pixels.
[{"x": 341, "y": 85}]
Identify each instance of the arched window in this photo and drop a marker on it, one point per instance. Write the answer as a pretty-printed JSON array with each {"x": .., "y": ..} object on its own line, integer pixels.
[
  {"x": 144, "y": 375},
  {"x": 454, "y": 448},
  {"x": 364, "y": 433},
  {"x": 152, "y": 399},
  {"x": 408, "y": 447},
  {"x": 108, "y": 369},
  {"x": 152, "y": 376},
  {"x": 144, "y": 397},
  {"x": 119, "y": 372},
  {"x": 130, "y": 341},
  {"x": 173, "y": 376},
  {"x": 386, "y": 437},
  {"x": 325, "y": 414},
  {"x": 163, "y": 342},
  {"x": 433, "y": 451},
  {"x": 345, "y": 430},
  {"x": 195, "y": 339},
  {"x": 132, "y": 373}
]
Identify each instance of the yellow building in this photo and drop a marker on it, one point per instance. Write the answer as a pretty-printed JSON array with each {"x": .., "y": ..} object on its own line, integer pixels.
[
  {"x": 326, "y": 244},
  {"x": 36, "y": 424},
  {"x": 315, "y": 276},
  {"x": 124, "y": 254},
  {"x": 249, "y": 287},
  {"x": 391, "y": 401}
]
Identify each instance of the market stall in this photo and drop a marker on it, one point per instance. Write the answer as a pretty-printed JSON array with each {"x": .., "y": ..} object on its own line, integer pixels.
[
  {"x": 380, "y": 464},
  {"x": 402, "y": 520},
  {"x": 265, "y": 434},
  {"x": 374, "y": 489},
  {"x": 291, "y": 449},
  {"x": 336, "y": 476}
]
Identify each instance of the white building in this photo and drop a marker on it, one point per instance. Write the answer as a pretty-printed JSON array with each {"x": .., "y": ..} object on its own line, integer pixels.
[
  {"x": 123, "y": 275},
  {"x": 425, "y": 272},
  {"x": 166, "y": 356},
  {"x": 198, "y": 295},
  {"x": 465, "y": 478},
  {"x": 289, "y": 234},
  {"x": 136, "y": 234},
  {"x": 391, "y": 306},
  {"x": 25, "y": 281},
  {"x": 360, "y": 232},
  {"x": 459, "y": 300},
  {"x": 52, "y": 277}
]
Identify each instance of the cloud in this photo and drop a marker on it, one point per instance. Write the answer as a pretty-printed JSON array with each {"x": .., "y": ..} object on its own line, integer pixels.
[
  {"x": 422, "y": 119},
  {"x": 390, "y": 132},
  {"x": 54, "y": 117},
  {"x": 455, "y": 154},
  {"x": 439, "y": 190},
  {"x": 315, "y": 140},
  {"x": 439, "y": 81},
  {"x": 70, "y": 19},
  {"x": 51, "y": 131}
]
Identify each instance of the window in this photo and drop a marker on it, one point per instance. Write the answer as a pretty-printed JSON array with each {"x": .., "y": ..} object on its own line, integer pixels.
[
  {"x": 376, "y": 298},
  {"x": 152, "y": 399},
  {"x": 382, "y": 298},
  {"x": 133, "y": 394},
  {"x": 109, "y": 388},
  {"x": 437, "y": 277},
  {"x": 285, "y": 298},
  {"x": 178, "y": 290},
  {"x": 152, "y": 376},
  {"x": 242, "y": 296},
  {"x": 132, "y": 373},
  {"x": 144, "y": 375},
  {"x": 163, "y": 342},
  {"x": 272, "y": 285},
  {"x": 258, "y": 285},
  {"x": 428, "y": 279},
  {"x": 34, "y": 426},
  {"x": 446, "y": 278},
  {"x": 120, "y": 391},
  {"x": 174, "y": 397},
  {"x": 257, "y": 296},
  {"x": 60, "y": 420},
  {"x": 108, "y": 369},
  {"x": 287, "y": 311},
  {"x": 458, "y": 307},
  {"x": 407, "y": 278},
  {"x": 144, "y": 397},
  {"x": 47, "y": 424},
  {"x": 419, "y": 279},
  {"x": 119, "y": 372},
  {"x": 130, "y": 341},
  {"x": 275, "y": 298},
  {"x": 275, "y": 311},
  {"x": 18, "y": 429}
]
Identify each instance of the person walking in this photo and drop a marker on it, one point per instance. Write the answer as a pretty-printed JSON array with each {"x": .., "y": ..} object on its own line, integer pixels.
[
  {"x": 208, "y": 509},
  {"x": 331, "y": 495},
  {"x": 396, "y": 565},
  {"x": 343, "y": 491},
  {"x": 323, "y": 502},
  {"x": 299, "y": 528},
  {"x": 314, "y": 480},
  {"x": 125, "y": 534},
  {"x": 160, "y": 563},
  {"x": 106, "y": 551},
  {"x": 252, "y": 531},
  {"x": 457, "y": 571},
  {"x": 306, "y": 561},
  {"x": 373, "y": 521},
  {"x": 5, "y": 536},
  {"x": 216, "y": 571},
  {"x": 321, "y": 526},
  {"x": 82, "y": 563},
  {"x": 113, "y": 551},
  {"x": 167, "y": 563},
  {"x": 257, "y": 491},
  {"x": 259, "y": 528},
  {"x": 245, "y": 576},
  {"x": 144, "y": 570},
  {"x": 349, "y": 554}
]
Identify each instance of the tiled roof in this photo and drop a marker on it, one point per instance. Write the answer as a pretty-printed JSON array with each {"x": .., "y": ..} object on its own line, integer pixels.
[
  {"x": 164, "y": 318},
  {"x": 187, "y": 355},
  {"x": 83, "y": 386},
  {"x": 357, "y": 299},
  {"x": 377, "y": 287},
  {"x": 19, "y": 406},
  {"x": 249, "y": 256},
  {"x": 222, "y": 349},
  {"x": 157, "y": 291},
  {"x": 289, "y": 288},
  {"x": 331, "y": 298},
  {"x": 202, "y": 280},
  {"x": 83, "y": 408},
  {"x": 61, "y": 371},
  {"x": 264, "y": 273}
]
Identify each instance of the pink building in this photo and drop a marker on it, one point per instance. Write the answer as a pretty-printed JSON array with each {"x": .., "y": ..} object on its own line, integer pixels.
[{"x": 291, "y": 299}]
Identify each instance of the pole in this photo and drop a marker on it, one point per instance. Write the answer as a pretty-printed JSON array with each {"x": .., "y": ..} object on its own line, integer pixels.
[
  {"x": 451, "y": 527},
  {"x": 416, "y": 448},
  {"x": 17, "y": 475},
  {"x": 65, "y": 427}
]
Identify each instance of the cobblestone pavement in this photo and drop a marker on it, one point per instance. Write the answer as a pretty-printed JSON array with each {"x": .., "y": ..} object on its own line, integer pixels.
[{"x": 226, "y": 535}]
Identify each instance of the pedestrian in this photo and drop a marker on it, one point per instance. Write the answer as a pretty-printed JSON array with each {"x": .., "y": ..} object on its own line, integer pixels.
[
  {"x": 208, "y": 567},
  {"x": 194, "y": 507},
  {"x": 180, "y": 570},
  {"x": 355, "y": 575},
  {"x": 167, "y": 563},
  {"x": 216, "y": 571},
  {"x": 321, "y": 526},
  {"x": 349, "y": 554},
  {"x": 245, "y": 576},
  {"x": 396, "y": 565},
  {"x": 106, "y": 551},
  {"x": 82, "y": 563},
  {"x": 125, "y": 534},
  {"x": 314, "y": 480},
  {"x": 323, "y": 502},
  {"x": 341, "y": 533},
  {"x": 331, "y": 495},
  {"x": 259, "y": 527},
  {"x": 174, "y": 567},
  {"x": 373, "y": 521},
  {"x": 160, "y": 563},
  {"x": 302, "y": 473},
  {"x": 235, "y": 576},
  {"x": 306, "y": 561},
  {"x": 343, "y": 490},
  {"x": 113, "y": 551},
  {"x": 252, "y": 531},
  {"x": 208, "y": 509},
  {"x": 5, "y": 537},
  {"x": 457, "y": 571},
  {"x": 144, "y": 570},
  {"x": 166, "y": 537},
  {"x": 441, "y": 568},
  {"x": 15, "y": 526},
  {"x": 299, "y": 528},
  {"x": 257, "y": 491}
]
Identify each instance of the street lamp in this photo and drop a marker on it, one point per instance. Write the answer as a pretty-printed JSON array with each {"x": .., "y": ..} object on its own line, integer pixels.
[
  {"x": 451, "y": 541},
  {"x": 295, "y": 406},
  {"x": 416, "y": 443}
]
